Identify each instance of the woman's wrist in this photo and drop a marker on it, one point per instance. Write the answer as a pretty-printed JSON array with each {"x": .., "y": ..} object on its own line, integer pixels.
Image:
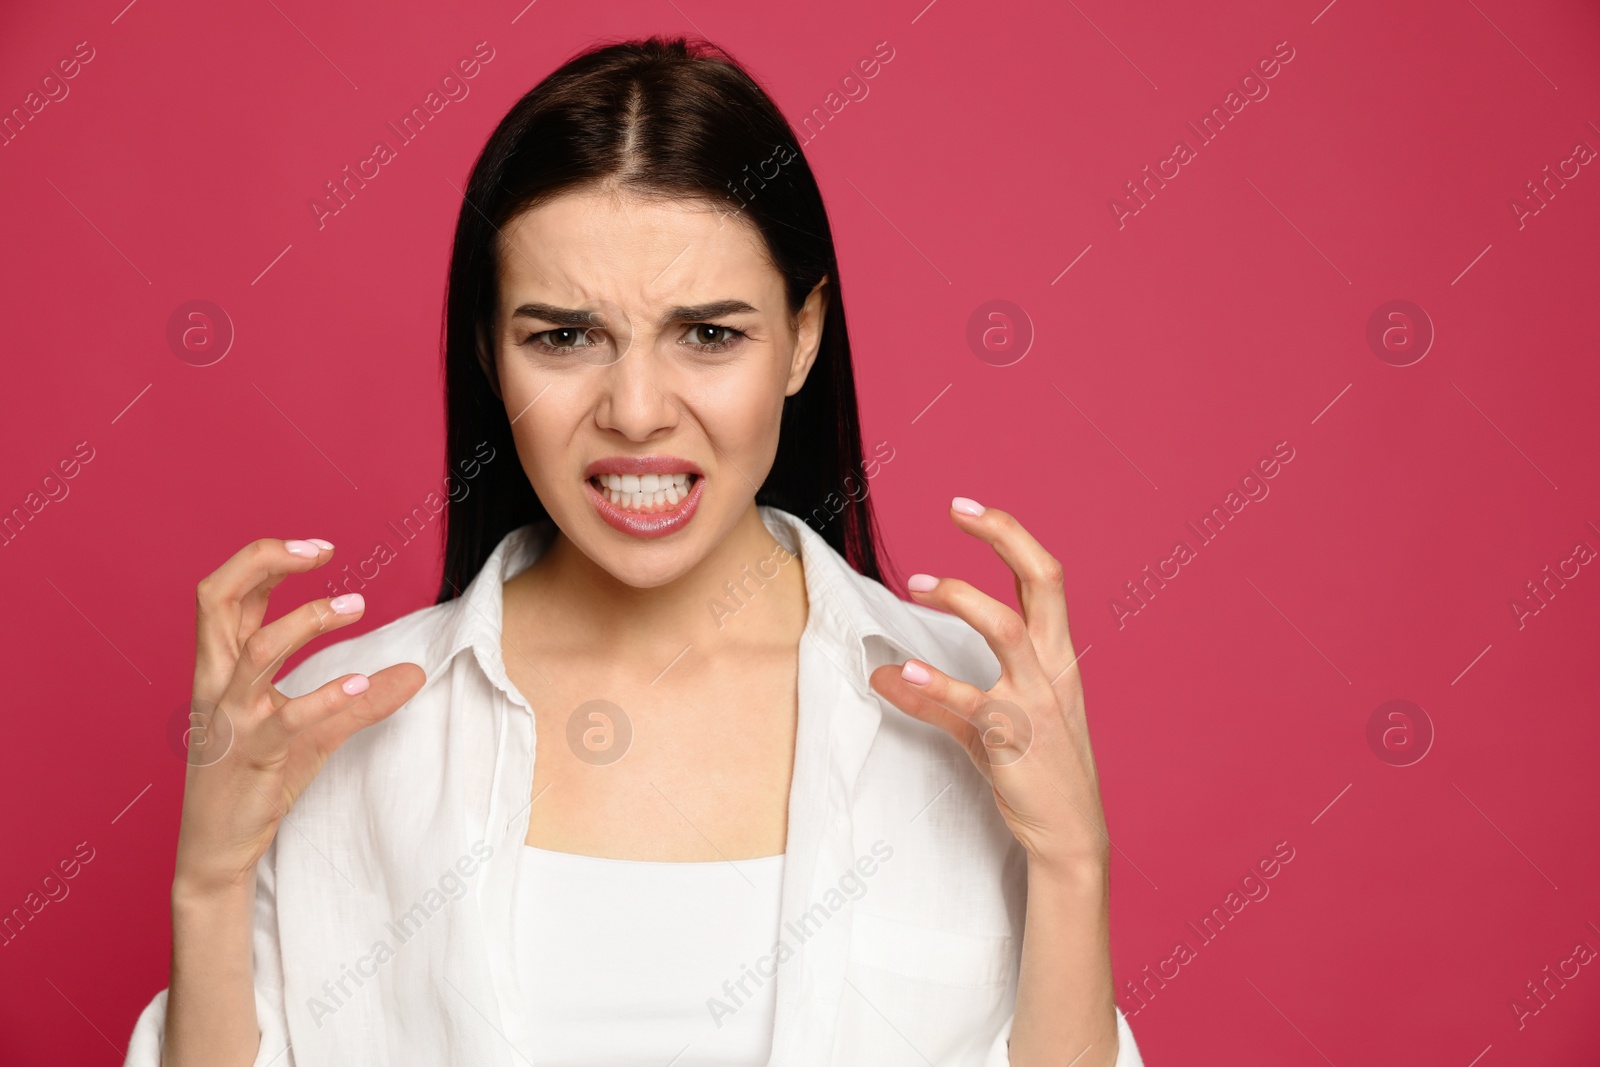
[
  {"x": 211, "y": 1004},
  {"x": 1084, "y": 872},
  {"x": 200, "y": 898},
  {"x": 1064, "y": 994}
]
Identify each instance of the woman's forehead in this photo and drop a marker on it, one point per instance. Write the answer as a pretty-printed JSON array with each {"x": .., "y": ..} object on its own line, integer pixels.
[{"x": 637, "y": 254}]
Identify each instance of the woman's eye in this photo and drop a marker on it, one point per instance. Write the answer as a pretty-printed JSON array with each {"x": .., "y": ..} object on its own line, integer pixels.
[
  {"x": 711, "y": 338},
  {"x": 704, "y": 337},
  {"x": 566, "y": 337}
]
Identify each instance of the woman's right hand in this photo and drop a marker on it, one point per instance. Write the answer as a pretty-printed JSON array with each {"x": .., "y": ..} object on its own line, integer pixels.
[{"x": 252, "y": 750}]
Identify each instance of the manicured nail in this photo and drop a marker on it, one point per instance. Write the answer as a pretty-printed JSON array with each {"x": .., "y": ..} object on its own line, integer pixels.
[
  {"x": 301, "y": 548},
  {"x": 921, "y": 583},
  {"x": 967, "y": 506},
  {"x": 355, "y": 685},
  {"x": 915, "y": 673},
  {"x": 320, "y": 543},
  {"x": 348, "y": 604}
]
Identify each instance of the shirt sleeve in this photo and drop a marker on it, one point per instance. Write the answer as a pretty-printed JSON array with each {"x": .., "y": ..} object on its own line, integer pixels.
[
  {"x": 1127, "y": 1049},
  {"x": 144, "y": 1047}
]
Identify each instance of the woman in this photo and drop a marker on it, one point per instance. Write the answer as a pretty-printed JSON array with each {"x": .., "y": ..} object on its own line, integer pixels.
[{"x": 661, "y": 577}]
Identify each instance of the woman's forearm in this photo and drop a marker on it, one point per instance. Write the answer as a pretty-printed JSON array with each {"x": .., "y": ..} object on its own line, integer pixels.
[
  {"x": 1065, "y": 1003},
  {"x": 211, "y": 1006}
]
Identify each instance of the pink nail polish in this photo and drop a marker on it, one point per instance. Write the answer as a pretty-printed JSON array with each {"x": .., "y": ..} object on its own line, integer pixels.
[
  {"x": 301, "y": 548},
  {"x": 967, "y": 506},
  {"x": 915, "y": 673},
  {"x": 348, "y": 604},
  {"x": 921, "y": 583},
  {"x": 356, "y": 685},
  {"x": 320, "y": 543}
]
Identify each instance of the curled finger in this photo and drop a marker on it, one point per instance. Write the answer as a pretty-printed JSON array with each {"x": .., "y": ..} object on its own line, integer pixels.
[
  {"x": 230, "y": 601},
  {"x": 1003, "y": 728},
  {"x": 266, "y": 650},
  {"x": 1002, "y": 628}
]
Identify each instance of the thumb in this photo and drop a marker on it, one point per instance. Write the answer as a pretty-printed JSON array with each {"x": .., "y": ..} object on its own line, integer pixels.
[
  {"x": 389, "y": 689},
  {"x": 888, "y": 683}
]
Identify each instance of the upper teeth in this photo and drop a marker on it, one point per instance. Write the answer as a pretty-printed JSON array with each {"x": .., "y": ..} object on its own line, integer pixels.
[
  {"x": 644, "y": 483},
  {"x": 645, "y": 490}
]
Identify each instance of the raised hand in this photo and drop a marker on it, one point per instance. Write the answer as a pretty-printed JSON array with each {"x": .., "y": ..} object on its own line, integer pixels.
[
  {"x": 252, "y": 750},
  {"x": 1027, "y": 733}
]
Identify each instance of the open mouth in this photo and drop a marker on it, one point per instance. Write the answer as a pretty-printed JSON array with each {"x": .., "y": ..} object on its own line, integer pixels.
[
  {"x": 645, "y": 493},
  {"x": 646, "y": 505}
]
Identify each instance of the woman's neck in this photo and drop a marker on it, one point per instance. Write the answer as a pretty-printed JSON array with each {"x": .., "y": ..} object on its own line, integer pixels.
[{"x": 748, "y": 590}]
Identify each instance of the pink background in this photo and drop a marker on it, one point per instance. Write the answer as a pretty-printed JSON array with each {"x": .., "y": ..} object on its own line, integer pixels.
[{"x": 1227, "y": 315}]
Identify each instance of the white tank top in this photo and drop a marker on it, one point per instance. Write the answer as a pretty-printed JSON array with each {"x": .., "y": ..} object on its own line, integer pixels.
[{"x": 635, "y": 963}]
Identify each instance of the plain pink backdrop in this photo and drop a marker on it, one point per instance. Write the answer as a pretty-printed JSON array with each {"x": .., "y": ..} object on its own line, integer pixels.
[{"x": 1230, "y": 313}]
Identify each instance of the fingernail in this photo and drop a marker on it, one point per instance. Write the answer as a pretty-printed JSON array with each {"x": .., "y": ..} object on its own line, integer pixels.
[
  {"x": 348, "y": 604},
  {"x": 921, "y": 583},
  {"x": 320, "y": 543},
  {"x": 355, "y": 685},
  {"x": 301, "y": 548},
  {"x": 915, "y": 673},
  {"x": 967, "y": 506}
]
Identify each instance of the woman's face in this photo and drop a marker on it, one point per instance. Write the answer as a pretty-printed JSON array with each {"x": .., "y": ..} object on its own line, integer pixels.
[{"x": 646, "y": 427}]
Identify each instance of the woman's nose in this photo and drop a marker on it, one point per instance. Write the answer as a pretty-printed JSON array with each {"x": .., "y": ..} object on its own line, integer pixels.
[{"x": 636, "y": 400}]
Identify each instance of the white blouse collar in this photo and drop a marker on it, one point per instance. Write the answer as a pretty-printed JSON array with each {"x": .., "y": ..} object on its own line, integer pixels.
[{"x": 855, "y": 607}]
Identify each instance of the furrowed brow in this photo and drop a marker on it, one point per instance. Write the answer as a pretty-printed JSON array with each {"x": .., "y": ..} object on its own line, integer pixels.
[
  {"x": 559, "y": 316},
  {"x": 698, "y": 312},
  {"x": 716, "y": 309}
]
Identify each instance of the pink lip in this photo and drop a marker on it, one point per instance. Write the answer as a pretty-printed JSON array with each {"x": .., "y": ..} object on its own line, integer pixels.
[
  {"x": 640, "y": 465},
  {"x": 645, "y": 523}
]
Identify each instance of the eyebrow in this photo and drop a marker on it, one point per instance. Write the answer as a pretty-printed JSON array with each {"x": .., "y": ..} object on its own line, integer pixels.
[{"x": 716, "y": 309}]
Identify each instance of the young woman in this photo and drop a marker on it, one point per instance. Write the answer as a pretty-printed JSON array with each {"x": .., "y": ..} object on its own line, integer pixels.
[{"x": 666, "y": 776}]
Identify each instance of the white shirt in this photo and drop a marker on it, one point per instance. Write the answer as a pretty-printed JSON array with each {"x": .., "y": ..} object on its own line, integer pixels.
[
  {"x": 383, "y": 930},
  {"x": 641, "y": 963}
]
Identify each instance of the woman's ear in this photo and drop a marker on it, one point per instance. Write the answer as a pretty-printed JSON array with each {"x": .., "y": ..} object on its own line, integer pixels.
[
  {"x": 486, "y": 359},
  {"x": 808, "y": 335}
]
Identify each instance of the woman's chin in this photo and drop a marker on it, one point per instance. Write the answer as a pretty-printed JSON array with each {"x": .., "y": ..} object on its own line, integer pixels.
[{"x": 649, "y": 566}]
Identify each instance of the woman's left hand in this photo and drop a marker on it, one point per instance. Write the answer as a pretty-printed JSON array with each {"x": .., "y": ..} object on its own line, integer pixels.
[{"x": 1027, "y": 733}]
